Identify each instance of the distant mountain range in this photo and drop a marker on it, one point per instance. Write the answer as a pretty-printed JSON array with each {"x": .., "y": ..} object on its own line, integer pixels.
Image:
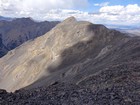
[
  {"x": 123, "y": 27},
  {"x": 131, "y": 32},
  {"x": 17, "y": 31},
  {"x": 5, "y": 18}
]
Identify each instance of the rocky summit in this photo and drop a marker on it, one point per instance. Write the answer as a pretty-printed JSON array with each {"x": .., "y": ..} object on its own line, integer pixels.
[{"x": 76, "y": 63}]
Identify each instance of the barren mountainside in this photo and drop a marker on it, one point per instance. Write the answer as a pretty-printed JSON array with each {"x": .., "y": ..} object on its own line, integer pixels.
[
  {"x": 75, "y": 63},
  {"x": 17, "y": 31}
]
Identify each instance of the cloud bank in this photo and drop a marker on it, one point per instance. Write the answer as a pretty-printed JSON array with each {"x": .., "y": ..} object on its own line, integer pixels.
[
  {"x": 39, "y": 6},
  {"x": 61, "y": 9},
  {"x": 102, "y": 4}
]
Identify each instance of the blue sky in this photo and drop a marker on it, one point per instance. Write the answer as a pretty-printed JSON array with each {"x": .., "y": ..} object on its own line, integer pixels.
[
  {"x": 111, "y": 12},
  {"x": 92, "y": 8},
  {"x": 116, "y": 2}
]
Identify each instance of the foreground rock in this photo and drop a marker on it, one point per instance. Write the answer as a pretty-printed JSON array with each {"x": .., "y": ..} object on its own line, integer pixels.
[{"x": 68, "y": 94}]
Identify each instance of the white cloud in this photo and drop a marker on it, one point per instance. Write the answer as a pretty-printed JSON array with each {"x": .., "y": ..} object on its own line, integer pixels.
[
  {"x": 102, "y": 4},
  {"x": 128, "y": 15},
  {"x": 111, "y": 9},
  {"x": 118, "y": 9},
  {"x": 61, "y": 9},
  {"x": 132, "y": 9},
  {"x": 117, "y": 15},
  {"x": 28, "y": 7},
  {"x": 62, "y": 14}
]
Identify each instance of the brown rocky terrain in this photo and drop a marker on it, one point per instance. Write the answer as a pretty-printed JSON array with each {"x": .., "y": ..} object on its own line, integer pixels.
[
  {"x": 17, "y": 31},
  {"x": 75, "y": 63}
]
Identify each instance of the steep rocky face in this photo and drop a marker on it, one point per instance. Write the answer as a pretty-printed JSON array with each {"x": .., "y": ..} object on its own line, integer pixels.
[{"x": 18, "y": 31}]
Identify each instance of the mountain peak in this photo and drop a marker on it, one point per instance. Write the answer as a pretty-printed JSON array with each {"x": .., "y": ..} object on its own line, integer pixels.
[
  {"x": 24, "y": 19},
  {"x": 70, "y": 19},
  {"x": 70, "y": 42}
]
